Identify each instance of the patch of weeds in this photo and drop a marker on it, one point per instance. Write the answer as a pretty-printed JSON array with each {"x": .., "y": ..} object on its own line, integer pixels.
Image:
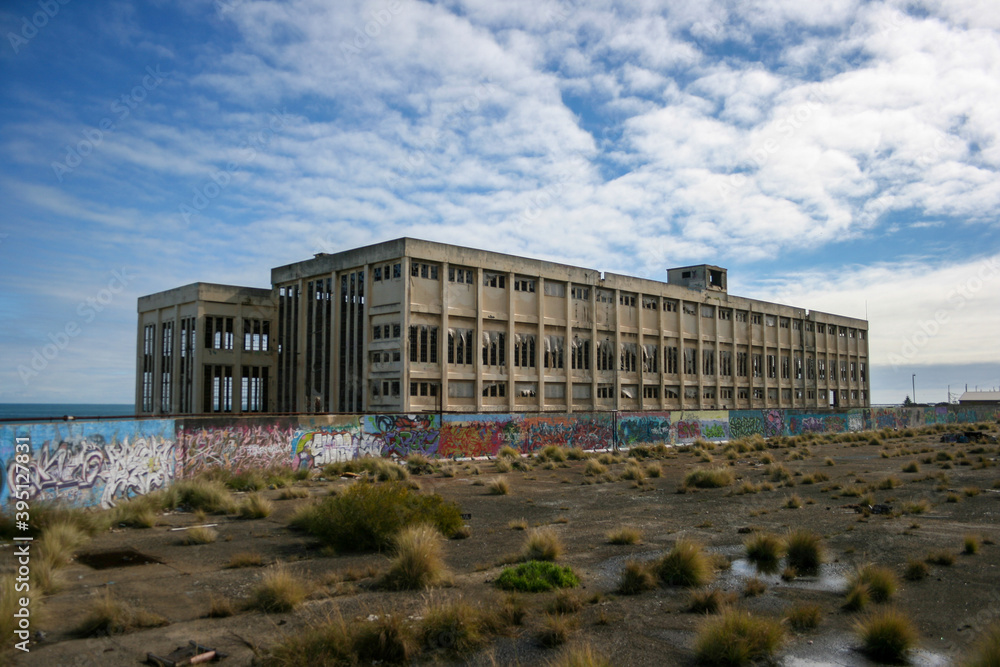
[
  {"x": 503, "y": 465},
  {"x": 220, "y": 607},
  {"x": 418, "y": 464},
  {"x": 580, "y": 655},
  {"x": 654, "y": 470},
  {"x": 912, "y": 466},
  {"x": 986, "y": 652},
  {"x": 556, "y": 630},
  {"x": 200, "y": 494},
  {"x": 594, "y": 467},
  {"x": 793, "y": 502},
  {"x": 536, "y": 577},
  {"x": 737, "y": 638},
  {"x": 887, "y": 635},
  {"x": 828, "y": 461},
  {"x": 551, "y": 453},
  {"x": 945, "y": 558},
  {"x": 455, "y": 627},
  {"x": 917, "y": 507},
  {"x": 255, "y": 506},
  {"x": 565, "y": 602},
  {"x": 881, "y": 581},
  {"x": 199, "y": 535},
  {"x": 633, "y": 472},
  {"x": 518, "y": 524},
  {"x": 953, "y": 498},
  {"x": 245, "y": 559},
  {"x": 765, "y": 550},
  {"x": 247, "y": 480},
  {"x": 970, "y": 545},
  {"x": 293, "y": 492},
  {"x": 971, "y": 491},
  {"x": 857, "y": 598}
]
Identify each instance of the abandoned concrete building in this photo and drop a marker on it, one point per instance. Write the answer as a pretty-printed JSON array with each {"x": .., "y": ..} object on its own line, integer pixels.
[{"x": 412, "y": 326}]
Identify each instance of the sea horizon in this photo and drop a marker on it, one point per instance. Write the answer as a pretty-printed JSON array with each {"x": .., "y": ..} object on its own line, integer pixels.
[{"x": 14, "y": 411}]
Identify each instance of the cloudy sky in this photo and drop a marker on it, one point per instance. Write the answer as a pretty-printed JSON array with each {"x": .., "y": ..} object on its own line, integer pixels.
[{"x": 836, "y": 155}]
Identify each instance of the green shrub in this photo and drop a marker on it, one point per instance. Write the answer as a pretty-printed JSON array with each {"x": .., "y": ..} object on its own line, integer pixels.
[
  {"x": 366, "y": 517},
  {"x": 886, "y": 635},
  {"x": 685, "y": 565},
  {"x": 708, "y": 478},
  {"x": 737, "y": 638},
  {"x": 417, "y": 562},
  {"x": 805, "y": 551},
  {"x": 536, "y": 577}
]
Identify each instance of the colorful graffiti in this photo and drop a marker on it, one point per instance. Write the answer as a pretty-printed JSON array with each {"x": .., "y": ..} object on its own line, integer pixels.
[
  {"x": 91, "y": 463},
  {"x": 484, "y": 435},
  {"x": 399, "y": 435},
  {"x": 639, "y": 428},
  {"x": 235, "y": 444}
]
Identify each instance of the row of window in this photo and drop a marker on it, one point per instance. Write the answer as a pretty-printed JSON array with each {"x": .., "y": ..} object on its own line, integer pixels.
[
  {"x": 388, "y": 272},
  {"x": 219, "y": 334}
]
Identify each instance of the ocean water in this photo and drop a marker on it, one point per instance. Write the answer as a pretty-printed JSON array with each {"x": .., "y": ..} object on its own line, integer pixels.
[{"x": 60, "y": 410}]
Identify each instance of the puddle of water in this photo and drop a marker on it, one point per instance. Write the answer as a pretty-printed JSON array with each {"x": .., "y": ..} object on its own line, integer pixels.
[
  {"x": 842, "y": 649},
  {"x": 831, "y": 576}
]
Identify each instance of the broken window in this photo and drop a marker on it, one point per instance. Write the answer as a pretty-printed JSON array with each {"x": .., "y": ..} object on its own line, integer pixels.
[
  {"x": 524, "y": 350},
  {"x": 798, "y": 366},
  {"x": 494, "y": 348},
  {"x": 605, "y": 296},
  {"x": 555, "y": 390},
  {"x": 553, "y": 288},
  {"x": 553, "y": 351},
  {"x": 524, "y": 285},
  {"x": 525, "y": 389},
  {"x": 741, "y": 364},
  {"x": 606, "y": 355},
  {"x": 254, "y": 389},
  {"x": 459, "y": 275},
  {"x": 708, "y": 361},
  {"x": 460, "y": 346},
  {"x": 691, "y": 393},
  {"x": 650, "y": 358},
  {"x": 627, "y": 357},
  {"x": 671, "y": 359},
  {"x": 709, "y": 393},
  {"x": 605, "y": 391},
  {"x": 148, "y": 363},
  {"x": 673, "y": 392},
  {"x": 708, "y": 311},
  {"x": 726, "y": 393},
  {"x": 580, "y": 354},
  {"x": 822, "y": 369},
  {"x": 863, "y": 375},
  {"x": 758, "y": 371},
  {"x": 627, "y": 300},
  {"x": 785, "y": 367},
  {"x": 497, "y": 280},
  {"x": 783, "y": 323},
  {"x": 650, "y": 303},
  {"x": 461, "y": 389},
  {"x": 423, "y": 343},
  {"x": 690, "y": 361},
  {"x": 670, "y": 305},
  {"x": 854, "y": 372},
  {"x": 219, "y": 333},
  {"x": 689, "y": 308},
  {"x": 741, "y": 316},
  {"x": 378, "y": 274},
  {"x": 725, "y": 314},
  {"x": 397, "y": 272},
  {"x": 725, "y": 363},
  {"x": 218, "y": 388},
  {"x": 650, "y": 391},
  {"x": 772, "y": 367},
  {"x": 581, "y": 293},
  {"x": 756, "y": 318},
  {"x": 769, "y": 320},
  {"x": 495, "y": 389}
]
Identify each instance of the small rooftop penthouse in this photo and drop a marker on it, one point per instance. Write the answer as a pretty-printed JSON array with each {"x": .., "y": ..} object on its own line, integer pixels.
[{"x": 411, "y": 325}]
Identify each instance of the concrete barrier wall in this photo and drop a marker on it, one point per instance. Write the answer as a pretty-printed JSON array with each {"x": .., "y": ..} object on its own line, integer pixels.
[{"x": 100, "y": 462}]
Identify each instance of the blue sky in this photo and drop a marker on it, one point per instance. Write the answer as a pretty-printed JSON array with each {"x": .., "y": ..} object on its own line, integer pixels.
[{"x": 836, "y": 155}]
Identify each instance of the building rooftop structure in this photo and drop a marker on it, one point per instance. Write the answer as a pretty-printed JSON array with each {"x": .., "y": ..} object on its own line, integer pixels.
[
  {"x": 412, "y": 325},
  {"x": 979, "y": 397}
]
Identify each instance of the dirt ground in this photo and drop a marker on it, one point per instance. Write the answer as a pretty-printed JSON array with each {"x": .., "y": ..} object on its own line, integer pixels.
[{"x": 950, "y": 608}]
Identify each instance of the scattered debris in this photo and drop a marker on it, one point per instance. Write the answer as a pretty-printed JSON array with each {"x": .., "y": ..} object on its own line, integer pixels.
[{"x": 192, "y": 654}]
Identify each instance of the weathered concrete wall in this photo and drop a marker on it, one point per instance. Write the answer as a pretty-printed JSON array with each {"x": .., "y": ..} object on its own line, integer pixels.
[{"x": 102, "y": 462}]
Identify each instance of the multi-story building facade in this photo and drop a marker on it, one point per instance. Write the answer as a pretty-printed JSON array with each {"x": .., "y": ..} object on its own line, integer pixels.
[
  {"x": 206, "y": 348},
  {"x": 411, "y": 326}
]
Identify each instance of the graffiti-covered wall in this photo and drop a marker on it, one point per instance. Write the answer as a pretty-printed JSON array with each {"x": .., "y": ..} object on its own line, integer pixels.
[
  {"x": 87, "y": 463},
  {"x": 101, "y": 462}
]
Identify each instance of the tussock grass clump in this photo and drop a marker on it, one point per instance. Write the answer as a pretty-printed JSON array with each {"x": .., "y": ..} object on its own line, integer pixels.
[
  {"x": 418, "y": 561},
  {"x": 971, "y": 491},
  {"x": 556, "y": 630},
  {"x": 765, "y": 550},
  {"x": 378, "y": 468},
  {"x": 794, "y": 502},
  {"x": 245, "y": 559},
  {"x": 746, "y": 487},
  {"x": 941, "y": 558},
  {"x": 565, "y": 602},
  {"x": 708, "y": 478},
  {"x": 453, "y": 626},
  {"x": 778, "y": 473},
  {"x": 594, "y": 467},
  {"x": 805, "y": 552},
  {"x": 255, "y": 506},
  {"x": 915, "y": 570},
  {"x": 220, "y": 607},
  {"x": 277, "y": 591},
  {"x": 417, "y": 463},
  {"x": 330, "y": 642},
  {"x": 508, "y": 452},
  {"x": 366, "y": 517},
  {"x": 293, "y": 493},
  {"x": 709, "y": 601},
  {"x": 753, "y": 587},
  {"x": 634, "y": 472},
  {"x": 737, "y": 638},
  {"x": 580, "y": 655},
  {"x": 518, "y": 524},
  {"x": 828, "y": 461},
  {"x": 918, "y": 507},
  {"x": 199, "y": 535},
  {"x": 637, "y": 577},
  {"x": 576, "y": 454},
  {"x": 970, "y": 545},
  {"x": 654, "y": 470},
  {"x": 686, "y": 564},
  {"x": 138, "y": 512},
  {"x": 624, "y": 535},
  {"x": 804, "y": 616},
  {"x": 536, "y": 577},
  {"x": 200, "y": 494},
  {"x": 498, "y": 486},
  {"x": 247, "y": 480},
  {"x": 887, "y": 635},
  {"x": 986, "y": 652},
  {"x": 551, "y": 453},
  {"x": 110, "y": 616},
  {"x": 887, "y": 483},
  {"x": 541, "y": 544},
  {"x": 385, "y": 639},
  {"x": 504, "y": 464},
  {"x": 881, "y": 581},
  {"x": 912, "y": 466}
]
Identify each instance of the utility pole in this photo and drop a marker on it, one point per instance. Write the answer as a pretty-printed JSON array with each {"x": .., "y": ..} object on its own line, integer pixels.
[{"x": 914, "y": 388}]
